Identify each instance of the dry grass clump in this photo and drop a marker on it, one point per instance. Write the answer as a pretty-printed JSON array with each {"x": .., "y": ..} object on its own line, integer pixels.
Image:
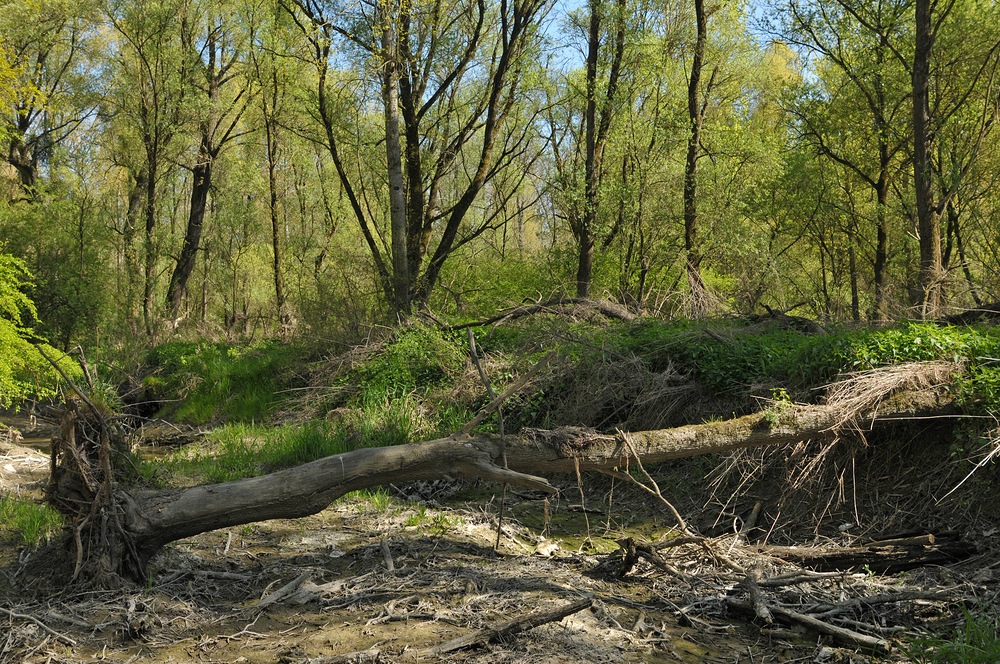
[
  {"x": 862, "y": 392},
  {"x": 621, "y": 393},
  {"x": 325, "y": 385}
]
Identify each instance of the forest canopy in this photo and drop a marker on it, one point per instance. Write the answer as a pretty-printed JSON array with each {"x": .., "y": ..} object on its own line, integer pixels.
[{"x": 247, "y": 168}]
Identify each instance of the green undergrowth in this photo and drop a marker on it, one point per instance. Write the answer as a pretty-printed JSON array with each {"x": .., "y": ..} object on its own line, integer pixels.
[
  {"x": 415, "y": 358},
  {"x": 418, "y": 382},
  {"x": 200, "y": 382},
  {"x": 976, "y": 641},
  {"x": 32, "y": 521},
  {"x": 728, "y": 357},
  {"x": 239, "y": 450}
]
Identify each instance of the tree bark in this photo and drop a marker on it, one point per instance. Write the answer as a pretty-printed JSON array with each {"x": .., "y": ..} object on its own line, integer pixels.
[
  {"x": 394, "y": 167},
  {"x": 201, "y": 175},
  {"x": 598, "y": 114},
  {"x": 269, "y": 108},
  {"x": 695, "y": 118},
  {"x": 879, "y": 557},
  {"x": 930, "y": 272}
]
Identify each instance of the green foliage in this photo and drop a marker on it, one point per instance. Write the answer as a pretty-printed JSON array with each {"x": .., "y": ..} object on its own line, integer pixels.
[
  {"x": 64, "y": 244},
  {"x": 33, "y": 521},
  {"x": 780, "y": 404},
  {"x": 415, "y": 359},
  {"x": 977, "y": 641},
  {"x": 729, "y": 359},
  {"x": 210, "y": 382},
  {"x": 23, "y": 370},
  {"x": 979, "y": 389},
  {"x": 15, "y": 350}
]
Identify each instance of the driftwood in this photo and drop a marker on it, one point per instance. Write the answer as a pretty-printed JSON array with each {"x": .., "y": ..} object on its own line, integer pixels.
[
  {"x": 842, "y": 635},
  {"x": 885, "y": 557},
  {"x": 985, "y": 313},
  {"x": 143, "y": 519},
  {"x": 507, "y": 629}
]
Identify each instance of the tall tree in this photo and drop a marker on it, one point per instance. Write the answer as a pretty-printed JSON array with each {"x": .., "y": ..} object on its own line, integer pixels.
[
  {"x": 148, "y": 106},
  {"x": 696, "y": 118},
  {"x": 931, "y": 275},
  {"x": 600, "y": 109},
  {"x": 462, "y": 71},
  {"x": 212, "y": 48},
  {"x": 272, "y": 74},
  {"x": 580, "y": 128},
  {"x": 44, "y": 53},
  {"x": 859, "y": 75},
  {"x": 939, "y": 93}
]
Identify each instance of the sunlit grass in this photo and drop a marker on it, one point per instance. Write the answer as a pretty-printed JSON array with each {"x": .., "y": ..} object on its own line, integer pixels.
[
  {"x": 977, "y": 641},
  {"x": 33, "y": 521}
]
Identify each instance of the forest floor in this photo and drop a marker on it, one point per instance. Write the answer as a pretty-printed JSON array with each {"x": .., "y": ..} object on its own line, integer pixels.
[{"x": 385, "y": 577}]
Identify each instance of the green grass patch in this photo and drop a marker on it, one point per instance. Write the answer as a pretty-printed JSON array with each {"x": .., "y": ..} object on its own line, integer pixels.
[
  {"x": 417, "y": 358},
  {"x": 239, "y": 450},
  {"x": 33, "y": 521},
  {"x": 977, "y": 641},
  {"x": 236, "y": 451},
  {"x": 203, "y": 382}
]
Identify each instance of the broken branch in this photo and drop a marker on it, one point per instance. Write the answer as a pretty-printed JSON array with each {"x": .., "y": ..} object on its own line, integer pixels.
[{"x": 508, "y": 628}]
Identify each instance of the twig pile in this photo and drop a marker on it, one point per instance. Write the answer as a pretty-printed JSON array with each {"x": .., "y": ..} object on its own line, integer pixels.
[{"x": 855, "y": 610}]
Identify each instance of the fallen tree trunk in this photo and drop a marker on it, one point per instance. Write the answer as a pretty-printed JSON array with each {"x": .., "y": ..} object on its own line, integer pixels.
[
  {"x": 880, "y": 557},
  {"x": 145, "y": 519}
]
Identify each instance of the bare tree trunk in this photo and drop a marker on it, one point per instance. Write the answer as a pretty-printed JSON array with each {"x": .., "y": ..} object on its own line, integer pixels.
[
  {"x": 930, "y": 273},
  {"x": 880, "y": 308},
  {"x": 695, "y": 118},
  {"x": 201, "y": 175},
  {"x": 394, "y": 166},
  {"x": 272, "y": 209},
  {"x": 149, "y": 244},
  {"x": 122, "y": 529},
  {"x": 598, "y": 114},
  {"x": 21, "y": 157},
  {"x": 585, "y": 232},
  {"x": 130, "y": 259},
  {"x": 852, "y": 269}
]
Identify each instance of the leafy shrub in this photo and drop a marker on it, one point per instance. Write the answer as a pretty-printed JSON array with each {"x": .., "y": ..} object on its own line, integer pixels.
[
  {"x": 416, "y": 359},
  {"x": 23, "y": 370},
  {"x": 206, "y": 382}
]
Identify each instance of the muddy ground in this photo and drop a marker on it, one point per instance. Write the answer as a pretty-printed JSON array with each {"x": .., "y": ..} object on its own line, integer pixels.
[{"x": 385, "y": 578}]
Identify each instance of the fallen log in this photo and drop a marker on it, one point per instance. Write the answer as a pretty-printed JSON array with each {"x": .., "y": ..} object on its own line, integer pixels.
[
  {"x": 136, "y": 522},
  {"x": 879, "y": 557},
  {"x": 842, "y": 635}
]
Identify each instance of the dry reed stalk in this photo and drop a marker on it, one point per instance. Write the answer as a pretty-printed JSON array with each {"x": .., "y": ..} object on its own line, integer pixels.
[{"x": 860, "y": 393}]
